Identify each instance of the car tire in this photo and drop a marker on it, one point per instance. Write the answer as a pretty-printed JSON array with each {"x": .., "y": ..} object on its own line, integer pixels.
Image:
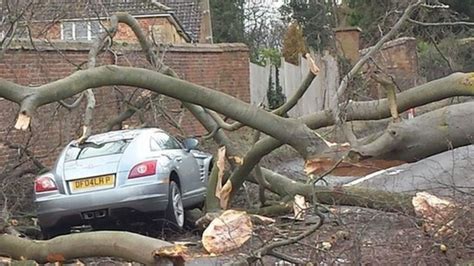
[{"x": 175, "y": 209}]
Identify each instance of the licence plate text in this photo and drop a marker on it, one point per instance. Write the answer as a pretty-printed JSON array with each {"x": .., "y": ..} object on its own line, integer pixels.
[{"x": 93, "y": 183}]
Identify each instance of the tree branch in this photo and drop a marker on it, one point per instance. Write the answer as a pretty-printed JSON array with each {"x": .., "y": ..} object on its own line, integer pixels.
[
  {"x": 74, "y": 104},
  {"x": 442, "y": 24},
  {"x": 293, "y": 100},
  {"x": 291, "y": 131},
  {"x": 124, "y": 245}
]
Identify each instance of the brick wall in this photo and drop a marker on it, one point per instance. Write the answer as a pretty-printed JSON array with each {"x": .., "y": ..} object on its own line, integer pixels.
[
  {"x": 222, "y": 67},
  {"x": 399, "y": 59}
]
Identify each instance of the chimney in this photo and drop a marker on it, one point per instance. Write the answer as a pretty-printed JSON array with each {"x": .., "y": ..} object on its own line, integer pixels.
[
  {"x": 347, "y": 43},
  {"x": 205, "y": 32}
]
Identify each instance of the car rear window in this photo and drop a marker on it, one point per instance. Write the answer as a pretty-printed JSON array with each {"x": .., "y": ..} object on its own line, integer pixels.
[{"x": 88, "y": 149}]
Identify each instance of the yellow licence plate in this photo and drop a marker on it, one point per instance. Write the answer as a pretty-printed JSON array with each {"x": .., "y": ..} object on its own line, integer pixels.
[{"x": 93, "y": 183}]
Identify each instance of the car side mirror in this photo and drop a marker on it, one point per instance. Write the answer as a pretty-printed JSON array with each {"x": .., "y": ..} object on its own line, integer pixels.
[{"x": 190, "y": 144}]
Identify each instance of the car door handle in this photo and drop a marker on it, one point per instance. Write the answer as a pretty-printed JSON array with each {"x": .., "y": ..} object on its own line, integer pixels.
[{"x": 178, "y": 159}]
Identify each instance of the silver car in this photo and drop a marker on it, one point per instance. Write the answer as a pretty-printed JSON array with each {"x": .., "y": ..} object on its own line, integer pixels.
[{"x": 121, "y": 174}]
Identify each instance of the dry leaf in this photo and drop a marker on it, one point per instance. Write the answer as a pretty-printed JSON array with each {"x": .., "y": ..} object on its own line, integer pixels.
[
  {"x": 299, "y": 207},
  {"x": 227, "y": 232},
  {"x": 443, "y": 248},
  {"x": 326, "y": 245}
]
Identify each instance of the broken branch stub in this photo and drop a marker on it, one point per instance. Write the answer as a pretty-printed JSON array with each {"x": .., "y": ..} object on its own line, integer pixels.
[
  {"x": 312, "y": 65},
  {"x": 22, "y": 122},
  {"x": 223, "y": 190}
]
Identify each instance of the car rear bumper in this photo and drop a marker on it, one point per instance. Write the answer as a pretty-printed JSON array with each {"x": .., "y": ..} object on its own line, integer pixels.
[{"x": 60, "y": 209}]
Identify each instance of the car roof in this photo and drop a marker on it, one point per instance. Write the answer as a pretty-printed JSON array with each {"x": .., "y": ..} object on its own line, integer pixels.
[{"x": 120, "y": 134}]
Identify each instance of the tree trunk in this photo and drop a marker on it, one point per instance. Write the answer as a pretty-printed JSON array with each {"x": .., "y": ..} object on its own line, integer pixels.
[
  {"x": 128, "y": 246},
  {"x": 425, "y": 135}
]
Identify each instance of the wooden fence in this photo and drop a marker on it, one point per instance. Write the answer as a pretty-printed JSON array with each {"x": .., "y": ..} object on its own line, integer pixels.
[{"x": 318, "y": 95}]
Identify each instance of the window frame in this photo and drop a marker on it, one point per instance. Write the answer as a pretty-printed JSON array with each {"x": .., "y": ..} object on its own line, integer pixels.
[{"x": 89, "y": 34}]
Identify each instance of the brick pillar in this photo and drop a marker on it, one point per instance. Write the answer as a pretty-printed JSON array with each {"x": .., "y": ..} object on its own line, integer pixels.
[
  {"x": 347, "y": 43},
  {"x": 205, "y": 34}
]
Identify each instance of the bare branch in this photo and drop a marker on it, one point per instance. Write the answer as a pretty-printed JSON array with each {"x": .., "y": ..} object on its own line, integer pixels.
[
  {"x": 74, "y": 104},
  {"x": 442, "y": 24},
  {"x": 269, "y": 247},
  {"x": 293, "y": 100}
]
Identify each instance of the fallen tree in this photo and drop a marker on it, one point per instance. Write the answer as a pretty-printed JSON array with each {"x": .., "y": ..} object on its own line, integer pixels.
[{"x": 297, "y": 132}]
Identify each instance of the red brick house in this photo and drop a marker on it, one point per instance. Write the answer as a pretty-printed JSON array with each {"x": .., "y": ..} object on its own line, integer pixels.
[{"x": 167, "y": 21}]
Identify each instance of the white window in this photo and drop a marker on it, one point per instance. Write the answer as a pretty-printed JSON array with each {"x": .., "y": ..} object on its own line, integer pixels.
[{"x": 80, "y": 30}]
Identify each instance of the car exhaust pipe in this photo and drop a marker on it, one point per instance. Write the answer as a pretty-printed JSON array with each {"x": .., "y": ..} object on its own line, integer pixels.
[
  {"x": 94, "y": 214},
  {"x": 100, "y": 213},
  {"x": 88, "y": 215}
]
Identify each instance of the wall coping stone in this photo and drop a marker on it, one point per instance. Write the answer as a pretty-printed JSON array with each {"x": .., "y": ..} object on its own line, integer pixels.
[
  {"x": 390, "y": 44},
  {"x": 43, "y": 45}
]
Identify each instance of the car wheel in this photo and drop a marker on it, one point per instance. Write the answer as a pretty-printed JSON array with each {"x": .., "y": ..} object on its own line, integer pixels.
[{"x": 175, "y": 210}]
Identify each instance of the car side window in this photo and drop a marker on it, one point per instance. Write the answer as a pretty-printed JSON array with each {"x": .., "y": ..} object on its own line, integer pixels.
[
  {"x": 154, "y": 146},
  {"x": 163, "y": 141}
]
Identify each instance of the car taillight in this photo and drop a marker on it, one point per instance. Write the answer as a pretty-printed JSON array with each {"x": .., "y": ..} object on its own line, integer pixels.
[
  {"x": 45, "y": 183},
  {"x": 143, "y": 169}
]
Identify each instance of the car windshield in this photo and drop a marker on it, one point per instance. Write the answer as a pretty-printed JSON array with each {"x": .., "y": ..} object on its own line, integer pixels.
[{"x": 90, "y": 149}]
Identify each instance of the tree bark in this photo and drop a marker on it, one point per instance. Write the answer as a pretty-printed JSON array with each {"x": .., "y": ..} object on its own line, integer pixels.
[
  {"x": 424, "y": 135},
  {"x": 340, "y": 195},
  {"x": 128, "y": 246}
]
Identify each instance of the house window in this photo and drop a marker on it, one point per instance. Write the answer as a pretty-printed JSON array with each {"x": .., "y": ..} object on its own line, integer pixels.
[
  {"x": 80, "y": 30},
  {"x": 155, "y": 33}
]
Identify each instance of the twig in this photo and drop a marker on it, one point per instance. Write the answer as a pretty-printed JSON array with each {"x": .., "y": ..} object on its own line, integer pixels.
[
  {"x": 441, "y": 53},
  {"x": 74, "y": 104},
  {"x": 269, "y": 247},
  {"x": 26, "y": 151},
  {"x": 285, "y": 257}
]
